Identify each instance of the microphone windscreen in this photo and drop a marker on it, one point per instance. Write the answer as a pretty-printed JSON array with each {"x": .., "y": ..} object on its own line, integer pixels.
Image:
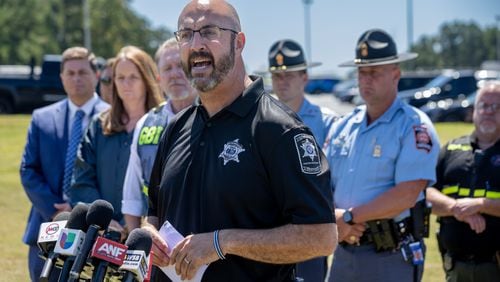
[
  {"x": 139, "y": 239},
  {"x": 78, "y": 218},
  {"x": 100, "y": 213},
  {"x": 61, "y": 216}
]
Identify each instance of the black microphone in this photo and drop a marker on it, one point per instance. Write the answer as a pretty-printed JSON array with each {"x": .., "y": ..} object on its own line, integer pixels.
[
  {"x": 48, "y": 246},
  {"x": 98, "y": 218},
  {"x": 135, "y": 265},
  {"x": 77, "y": 224}
]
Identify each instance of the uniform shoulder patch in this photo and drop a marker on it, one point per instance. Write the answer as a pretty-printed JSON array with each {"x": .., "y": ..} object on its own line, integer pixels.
[
  {"x": 423, "y": 140},
  {"x": 307, "y": 152}
]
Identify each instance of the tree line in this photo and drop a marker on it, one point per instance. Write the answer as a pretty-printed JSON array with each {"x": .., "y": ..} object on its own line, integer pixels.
[
  {"x": 456, "y": 45},
  {"x": 32, "y": 28}
]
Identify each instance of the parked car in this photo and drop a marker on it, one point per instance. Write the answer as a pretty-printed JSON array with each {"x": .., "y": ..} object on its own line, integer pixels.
[
  {"x": 450, "y": 84},
  {"x": 346, "y": 90},
  {"x": 320, "y": 84},
  {"x": 415, "y": 79},
  {"x": 451, "y": 110},
  {"x": 484, "y": 75},
  {"x": 28, "y": 87}
]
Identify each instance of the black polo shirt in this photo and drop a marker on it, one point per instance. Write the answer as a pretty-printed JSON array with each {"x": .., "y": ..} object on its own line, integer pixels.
[
  {"x": 464, "y": 170},
  {"x": 253, "y": 165}
]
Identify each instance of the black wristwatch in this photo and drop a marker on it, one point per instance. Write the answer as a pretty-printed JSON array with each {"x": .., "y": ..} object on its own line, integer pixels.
[{"x": 347, "y": 217}]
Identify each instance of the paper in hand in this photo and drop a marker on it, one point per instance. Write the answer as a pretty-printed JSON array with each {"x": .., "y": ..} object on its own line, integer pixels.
[{"x": 172, "y": 237}]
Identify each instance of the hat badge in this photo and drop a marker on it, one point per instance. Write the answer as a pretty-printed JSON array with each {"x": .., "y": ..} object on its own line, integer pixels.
[
  {"x": 279, "y": 59},
  {"x": 364, "y": 50}
]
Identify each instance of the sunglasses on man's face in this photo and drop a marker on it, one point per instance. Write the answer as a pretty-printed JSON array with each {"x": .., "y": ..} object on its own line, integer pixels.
[{"x": 105, "y": 80}]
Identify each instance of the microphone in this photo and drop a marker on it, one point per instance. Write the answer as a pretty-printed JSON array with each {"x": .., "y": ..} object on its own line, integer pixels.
[
  {"x": 98, "y": 218},
  {"x": 108, "y": 253},
  {"x": 49, "y": 231},
  {"x": 62, "y": 216},
  {"x": 135, "y": 265},
  {"x": 71, "y": 238}
]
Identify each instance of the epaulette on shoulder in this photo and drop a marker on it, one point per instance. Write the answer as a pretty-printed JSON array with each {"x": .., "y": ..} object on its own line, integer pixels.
[
  {"x": 416, "y": 115},
  {"x": 159, "y": 107},
  {"x": 461, "y": 140}
]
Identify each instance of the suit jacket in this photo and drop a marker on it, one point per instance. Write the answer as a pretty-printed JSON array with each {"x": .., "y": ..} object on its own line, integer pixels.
[{"x": 42, "y": 166}]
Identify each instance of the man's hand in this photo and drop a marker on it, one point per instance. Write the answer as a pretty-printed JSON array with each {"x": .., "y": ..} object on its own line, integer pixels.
[
  {"x": 353, "y": 233},
  {"x": 467, "y": 206},
  {"x": 62, "y": 207},
  {"x": 159, "y": 248},
  {"x": 476, "y": 222},
  {"x": 348, "y": 233},
  {"x": 193, "y": 252}
]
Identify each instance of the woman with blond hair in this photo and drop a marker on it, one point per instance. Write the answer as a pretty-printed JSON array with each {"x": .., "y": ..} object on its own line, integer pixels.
[{"x": 104, "y": 151}]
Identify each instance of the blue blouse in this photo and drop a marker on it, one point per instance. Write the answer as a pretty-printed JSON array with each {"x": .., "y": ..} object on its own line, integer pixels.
[{"x": 100, "y": 167}]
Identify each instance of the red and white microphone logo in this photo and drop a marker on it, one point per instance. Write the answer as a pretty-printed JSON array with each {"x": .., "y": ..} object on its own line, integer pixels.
[
  {"x": 109, "y": 250},
  {"x": 52, "y": 229}
]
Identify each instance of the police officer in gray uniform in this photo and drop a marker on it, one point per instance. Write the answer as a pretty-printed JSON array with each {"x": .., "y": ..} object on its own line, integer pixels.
[{"x": 382, "y": 156}]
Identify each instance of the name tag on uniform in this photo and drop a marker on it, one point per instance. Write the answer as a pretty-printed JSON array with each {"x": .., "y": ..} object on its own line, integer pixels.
[{"x": 377, "y": 151}]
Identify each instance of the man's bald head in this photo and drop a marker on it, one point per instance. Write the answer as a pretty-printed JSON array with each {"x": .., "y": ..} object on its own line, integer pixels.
[{"x": 217, "y": 8}]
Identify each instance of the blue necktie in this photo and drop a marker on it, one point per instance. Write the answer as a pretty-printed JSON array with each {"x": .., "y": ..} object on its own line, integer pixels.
[{"x": 73, "y": 142}]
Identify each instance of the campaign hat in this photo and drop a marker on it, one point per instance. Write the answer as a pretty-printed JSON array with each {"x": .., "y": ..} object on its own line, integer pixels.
[
  {"x": 286, "y": 55},
  {"x": 376, "y": 47}
]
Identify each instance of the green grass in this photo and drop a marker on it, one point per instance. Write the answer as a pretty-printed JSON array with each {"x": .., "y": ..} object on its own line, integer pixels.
[{"x": 14, "y": 205}]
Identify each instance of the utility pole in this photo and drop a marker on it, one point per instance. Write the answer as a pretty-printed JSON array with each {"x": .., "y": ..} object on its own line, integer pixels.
[
  {"x": 87, "y": 39},
  {"x": 497, "y": 17},
  {"x": 409, "y": 30},
  {"x": 409, "y": 23},
  {"x": 307, "y": 27}
]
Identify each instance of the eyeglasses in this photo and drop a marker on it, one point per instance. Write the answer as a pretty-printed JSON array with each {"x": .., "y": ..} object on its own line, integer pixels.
[
  {"x": 207, "y": 32},
  {"x": 481, "y": 106},
  {"x": 105, "y": 80}
]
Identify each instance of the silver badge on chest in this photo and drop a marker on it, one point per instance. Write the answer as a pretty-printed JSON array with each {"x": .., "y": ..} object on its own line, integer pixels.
[{"x": 231, "y": 151}]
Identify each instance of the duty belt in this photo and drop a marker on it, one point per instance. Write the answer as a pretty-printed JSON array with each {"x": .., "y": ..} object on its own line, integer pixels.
[
  {"x": 384, "y": 234},
  {"x": 473, "y": 258},
  {"x": 366, "y": 239}
]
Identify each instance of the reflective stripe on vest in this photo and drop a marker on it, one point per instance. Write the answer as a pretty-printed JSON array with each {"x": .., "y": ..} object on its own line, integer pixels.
[
  {"x": 465, "y": 192},
  {"x": 450, "y": 190},
  {"x": 461, "y": 147}
]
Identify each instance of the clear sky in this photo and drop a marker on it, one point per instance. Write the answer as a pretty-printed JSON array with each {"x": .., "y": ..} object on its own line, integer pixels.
[{"x": 335, "y": 24}]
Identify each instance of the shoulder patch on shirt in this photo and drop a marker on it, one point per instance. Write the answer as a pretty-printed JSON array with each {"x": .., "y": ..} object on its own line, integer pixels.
[
  {"x": 423, "y": 140},
  {"x": 307, "y": 152},
  {"x": 231, "y": 151}
]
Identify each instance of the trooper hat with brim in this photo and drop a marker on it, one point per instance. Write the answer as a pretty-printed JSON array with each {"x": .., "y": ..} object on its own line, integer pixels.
[
  {"x": 375, "y": 47},
  {"x": 286, "y": 55}
]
